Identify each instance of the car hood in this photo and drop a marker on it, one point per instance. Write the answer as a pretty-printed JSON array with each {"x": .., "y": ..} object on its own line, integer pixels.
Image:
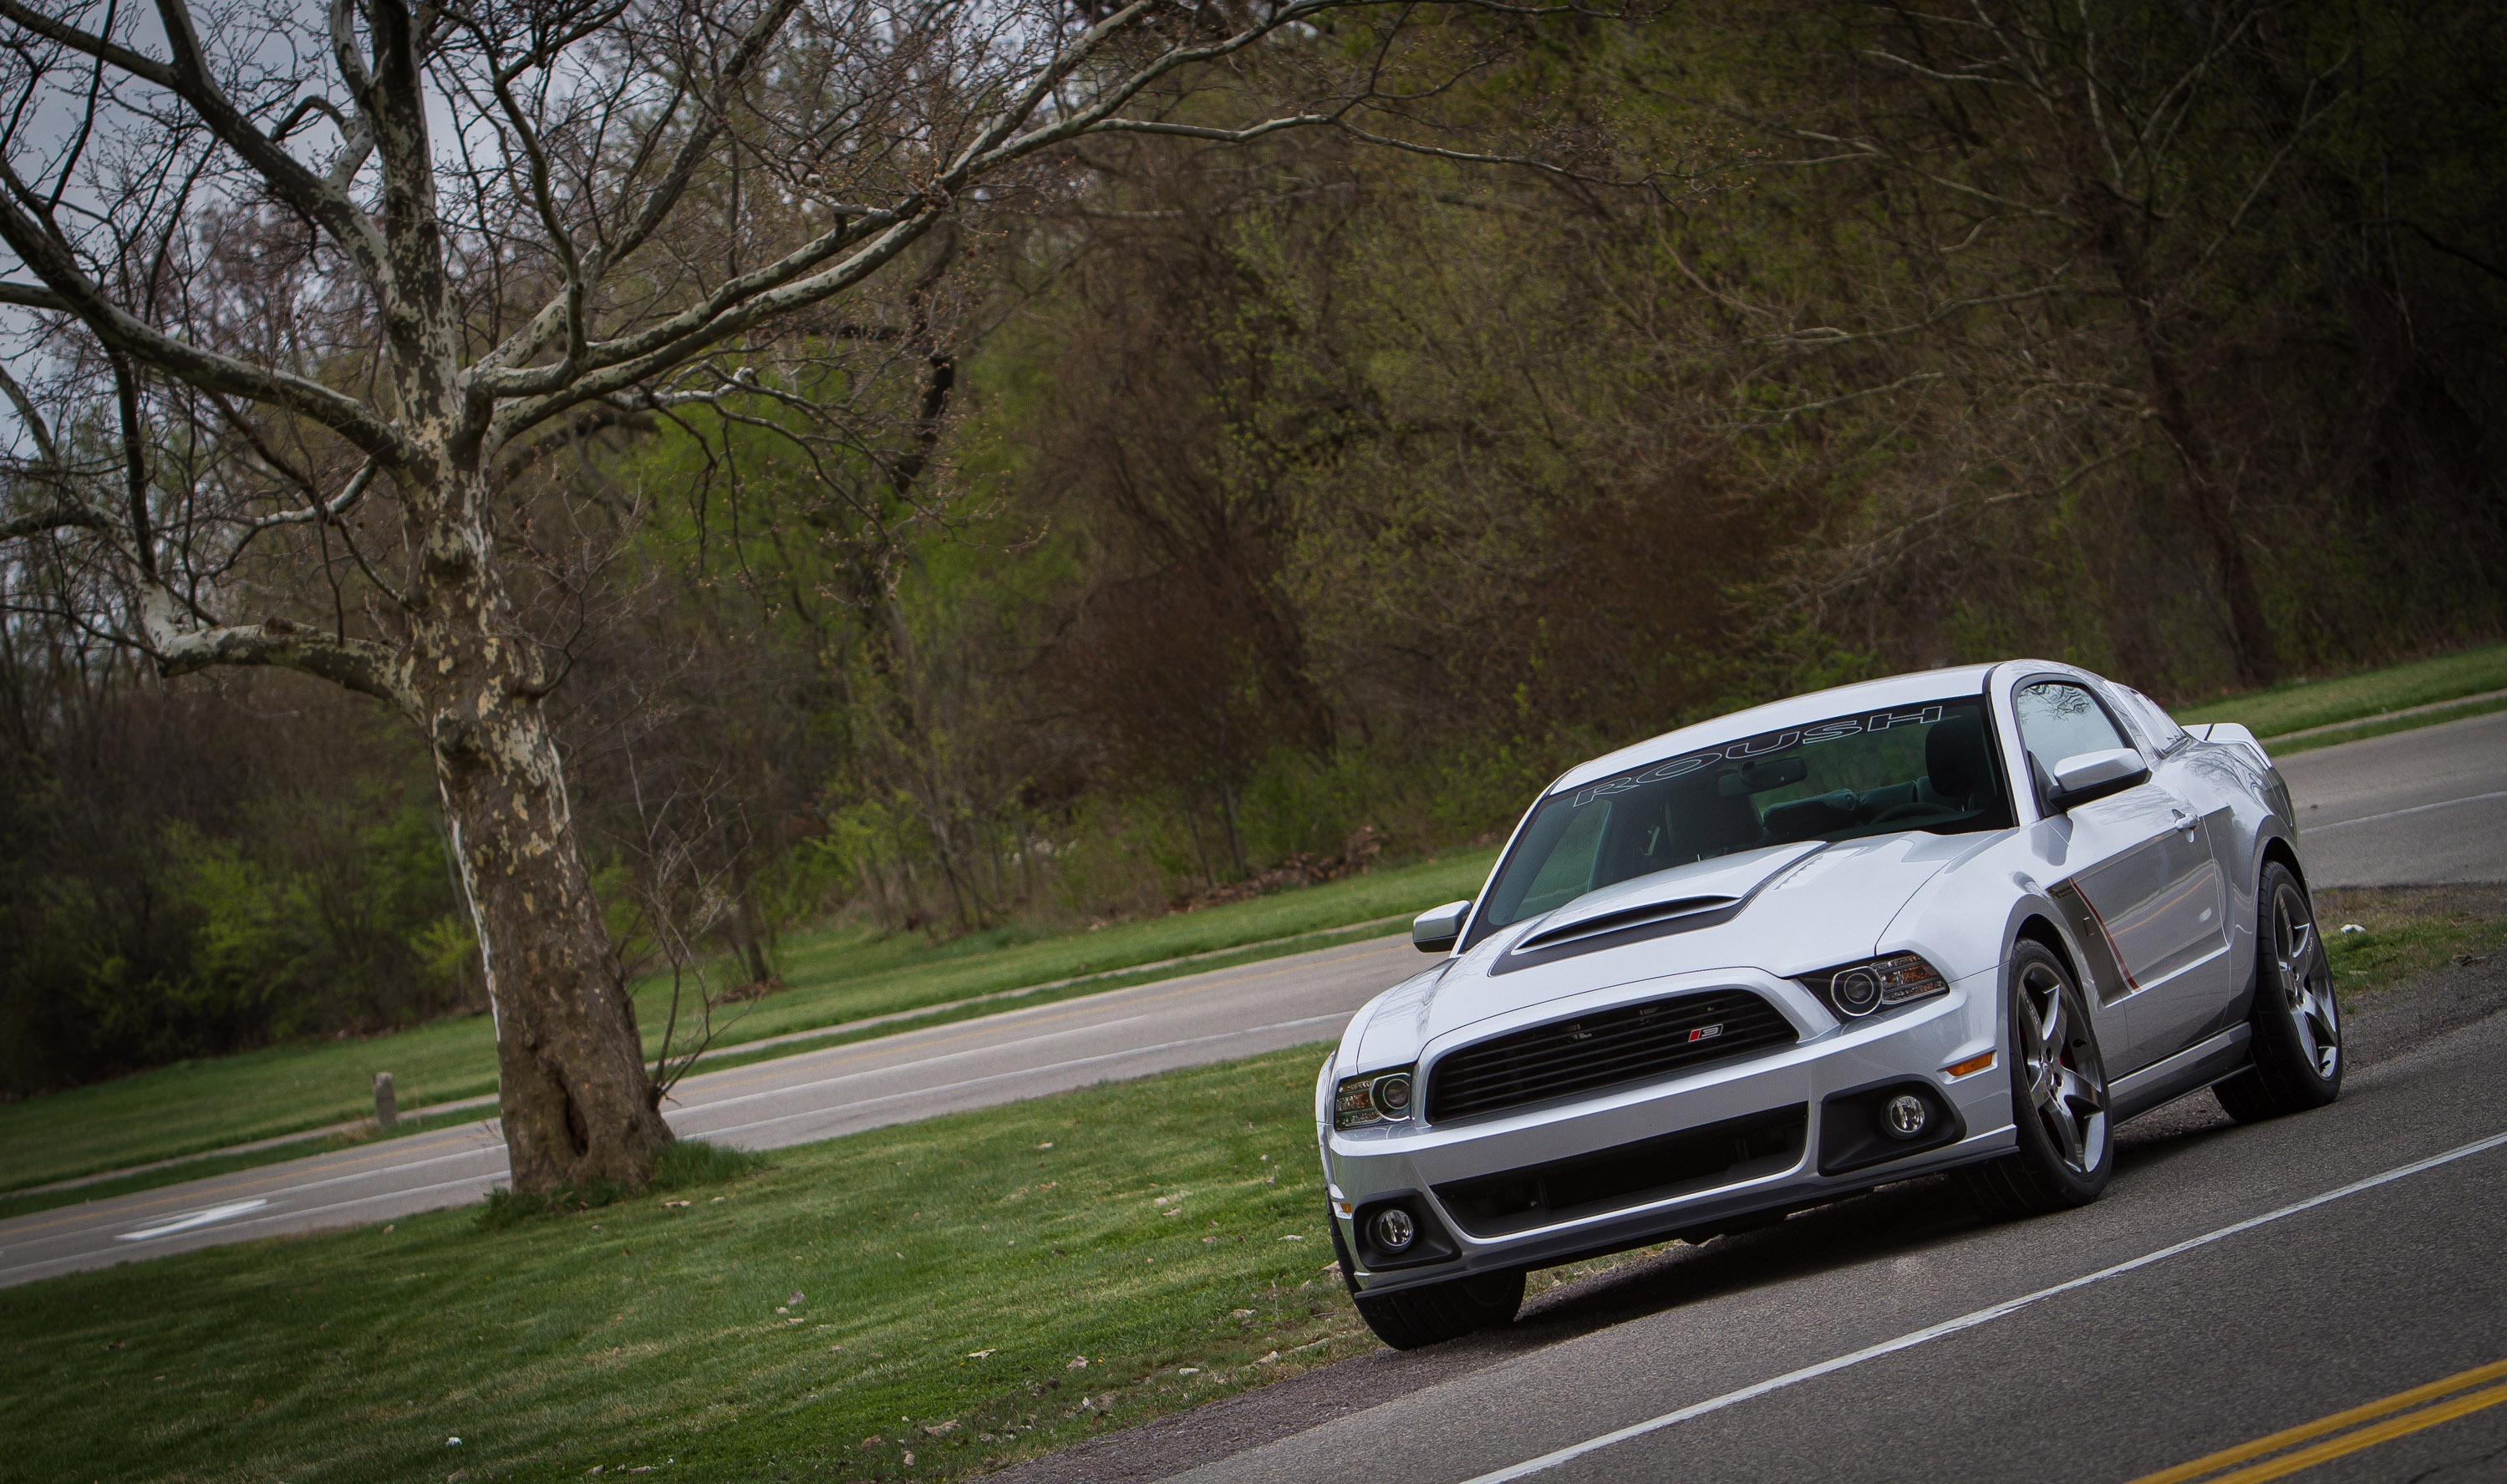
[{"x": 1785, "y": 909}]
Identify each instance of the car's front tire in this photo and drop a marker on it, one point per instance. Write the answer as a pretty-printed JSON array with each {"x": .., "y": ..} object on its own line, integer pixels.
[
  {"x": 1433, "y": 1313},
  {"x": 2058, "y": 1097},
  {"x": 2297, "y": 1024}
]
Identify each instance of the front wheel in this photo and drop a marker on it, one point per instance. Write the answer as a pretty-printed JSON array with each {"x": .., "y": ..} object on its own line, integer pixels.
[
  {"x": 1433, "y": 1313},
  {"x": 2058, "y": 1097},
  {"x": 2297, "y": 1024}
]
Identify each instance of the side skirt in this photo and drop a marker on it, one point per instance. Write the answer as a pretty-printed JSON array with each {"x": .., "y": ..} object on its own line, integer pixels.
[{"x": 2196, "y": 1067}]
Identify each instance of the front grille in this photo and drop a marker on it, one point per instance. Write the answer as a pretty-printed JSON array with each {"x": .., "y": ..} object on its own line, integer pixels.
[
  {"x": 1633, "y": 1043},
  {"x": 1631, "y": 1174}
]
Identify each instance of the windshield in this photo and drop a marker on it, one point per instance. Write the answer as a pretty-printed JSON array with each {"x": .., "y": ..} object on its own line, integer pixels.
[{"x": 1924, "y": 767}]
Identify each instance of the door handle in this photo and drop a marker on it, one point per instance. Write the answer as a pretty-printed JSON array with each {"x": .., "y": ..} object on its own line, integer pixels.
[{"x": 2184, "y": 820}]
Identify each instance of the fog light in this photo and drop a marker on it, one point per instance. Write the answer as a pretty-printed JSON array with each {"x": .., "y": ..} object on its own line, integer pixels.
[
  {"x": 1392, "y": 1228},
  {"x": 1904, "y": 1116}
]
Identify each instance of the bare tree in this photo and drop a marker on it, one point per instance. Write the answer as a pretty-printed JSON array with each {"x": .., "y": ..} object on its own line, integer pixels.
[{"x": 312, "y": 287}]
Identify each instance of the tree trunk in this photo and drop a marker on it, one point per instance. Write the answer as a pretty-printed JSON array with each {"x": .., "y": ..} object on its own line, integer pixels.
[
  {"x": 577, "y": 1102},
  {"x": 740, "y": 927},
  {"x": 2211, "y": 500}
]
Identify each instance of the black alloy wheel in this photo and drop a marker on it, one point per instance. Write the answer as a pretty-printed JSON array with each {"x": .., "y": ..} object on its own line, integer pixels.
[
  {"x": 2297, "y": 1023},
  {"x": 2058, "y": 1097}
]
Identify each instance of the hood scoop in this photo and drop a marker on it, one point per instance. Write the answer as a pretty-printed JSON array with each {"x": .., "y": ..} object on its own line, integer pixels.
[
  {"x": 1627, "y": 922},
  {"x": 1642, "y": 915}
]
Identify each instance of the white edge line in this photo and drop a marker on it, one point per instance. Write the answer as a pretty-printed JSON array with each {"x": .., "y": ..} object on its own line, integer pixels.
[
  {"x": 1909, "y": 1341},
  {"x": 91, "y": 1260}
]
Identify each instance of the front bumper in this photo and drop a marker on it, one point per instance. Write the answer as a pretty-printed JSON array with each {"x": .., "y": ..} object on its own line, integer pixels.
[{"x": 1692, "y": 1154}]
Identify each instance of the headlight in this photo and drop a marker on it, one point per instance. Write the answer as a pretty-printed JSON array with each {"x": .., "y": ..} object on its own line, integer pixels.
[
  {"x": 1378, "y": 1097},
  {"x": 1857, "y": 990}
]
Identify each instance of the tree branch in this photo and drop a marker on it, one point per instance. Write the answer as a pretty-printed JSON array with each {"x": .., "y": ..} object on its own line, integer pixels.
[
  {"x": 359, "y": 665},
  {"x": 122, "y": 331}
]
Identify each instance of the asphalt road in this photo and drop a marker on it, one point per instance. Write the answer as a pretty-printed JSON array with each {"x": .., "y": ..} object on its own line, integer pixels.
[
  {"x": 2201, "y": 1304},
  {"x": 2388, "y": 809},
  {"x": 2415, "y": 809}
]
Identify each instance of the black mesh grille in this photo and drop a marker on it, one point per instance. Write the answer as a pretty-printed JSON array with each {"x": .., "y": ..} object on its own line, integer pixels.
[{"x": 1632, "y": 1043}]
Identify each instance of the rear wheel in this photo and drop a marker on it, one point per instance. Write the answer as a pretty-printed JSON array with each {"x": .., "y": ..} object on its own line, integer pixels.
[
  {"x": 2058, "y": 1097},
  {"x": 2297, "y": 1024}
]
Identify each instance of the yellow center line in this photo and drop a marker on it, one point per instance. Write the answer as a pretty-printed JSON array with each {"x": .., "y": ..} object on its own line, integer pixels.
[{"x": 2308, "y": 1458}]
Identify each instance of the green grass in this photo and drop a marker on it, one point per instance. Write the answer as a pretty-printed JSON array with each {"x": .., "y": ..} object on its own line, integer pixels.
[
  {"x": 2406, "y": 931},
  {"x": 834, "y": 976},
  {"x": 2285, "y": 746},
  {"x": 2302, "y": 704},
  {"x": 640, "y": 1334}
]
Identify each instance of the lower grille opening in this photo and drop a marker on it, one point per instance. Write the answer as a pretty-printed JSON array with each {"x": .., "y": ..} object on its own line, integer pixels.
[{"x": 1628, "y": 1174}]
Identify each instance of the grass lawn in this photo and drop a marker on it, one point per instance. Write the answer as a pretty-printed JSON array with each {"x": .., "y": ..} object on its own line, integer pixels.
[
  {"x": 2406, "y": 929},
  {"x": 925, "y": 1291},
  {"x": 2301, "y": 704},
  {"x": 833, "y": 976}
]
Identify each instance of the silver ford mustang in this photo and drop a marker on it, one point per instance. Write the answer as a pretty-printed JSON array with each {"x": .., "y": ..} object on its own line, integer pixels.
[{"x": 1966, "y": 920}]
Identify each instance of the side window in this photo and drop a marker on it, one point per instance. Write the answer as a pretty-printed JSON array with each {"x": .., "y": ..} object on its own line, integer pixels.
[
  {"x": 2164, "y": 733},
  {"x": 2059, "y": 720}
]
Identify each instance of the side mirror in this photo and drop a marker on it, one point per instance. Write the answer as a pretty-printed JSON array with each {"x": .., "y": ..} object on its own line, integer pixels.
[
  {"x": 2095, "y": 775},
  {"x": 1434, "y": 931}
]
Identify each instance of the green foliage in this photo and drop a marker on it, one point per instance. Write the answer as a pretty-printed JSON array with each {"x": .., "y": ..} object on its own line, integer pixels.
[
  {"x": 181, "y": 913},
  {"x": 1131, "y": 546}
]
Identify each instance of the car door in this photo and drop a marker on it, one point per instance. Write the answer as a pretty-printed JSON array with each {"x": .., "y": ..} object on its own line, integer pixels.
[
  {"x": 2136, "y": 876},
  {"x": 2191, "y": 1003}
]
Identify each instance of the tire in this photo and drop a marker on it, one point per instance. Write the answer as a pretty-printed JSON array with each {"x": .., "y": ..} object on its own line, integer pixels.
[
  {"x": 2297, "y": 1023},
  {"x": 1433, "y": 1312},
  {"x": 2058, "y": 1097}
]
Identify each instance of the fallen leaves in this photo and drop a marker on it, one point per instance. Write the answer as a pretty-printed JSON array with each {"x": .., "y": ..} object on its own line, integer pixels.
[
  {"x": 1077, "y": 1363},
  {"x": 942, "y": 1429}
]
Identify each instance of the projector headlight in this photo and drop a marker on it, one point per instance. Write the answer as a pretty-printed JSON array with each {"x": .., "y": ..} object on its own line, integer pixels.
[
  {"x": 1378, "y": 1097},
  {"x": 1857, "y": 990}
]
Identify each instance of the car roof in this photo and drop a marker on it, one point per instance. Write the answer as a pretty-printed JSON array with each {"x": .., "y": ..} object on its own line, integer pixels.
[{"x": 1793, "y": 710}]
